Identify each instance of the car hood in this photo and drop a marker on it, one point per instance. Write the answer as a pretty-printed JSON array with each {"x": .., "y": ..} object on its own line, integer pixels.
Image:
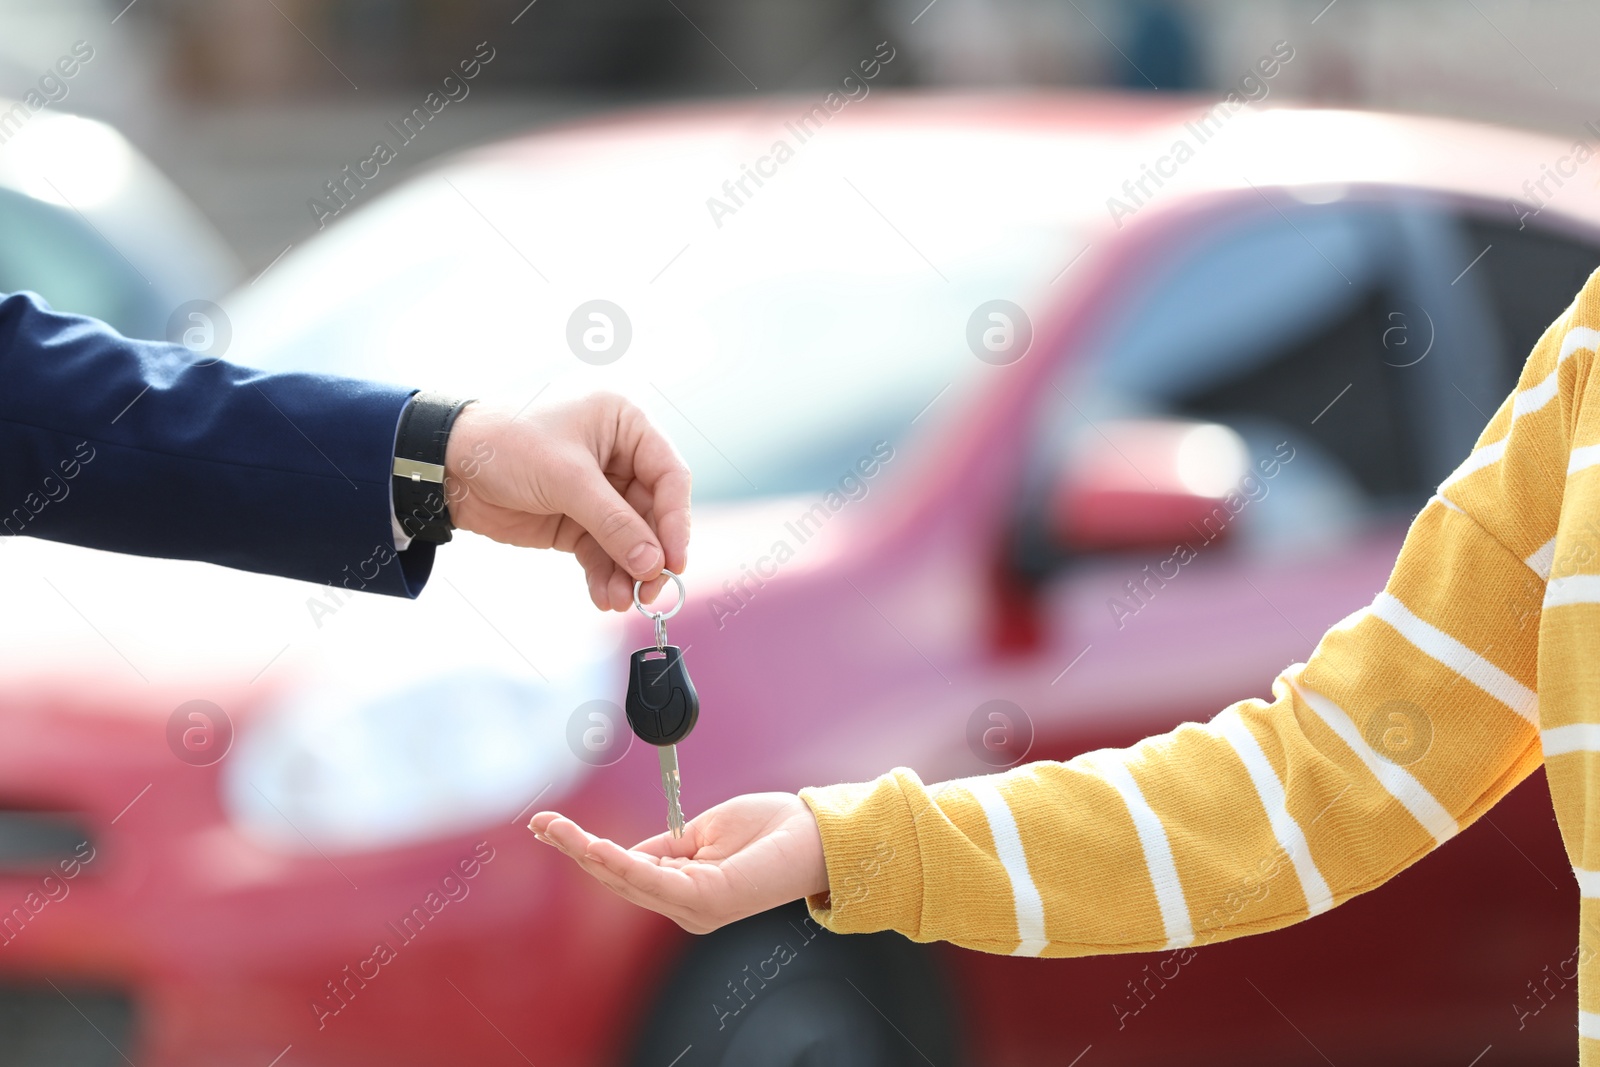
[
  {"x": 357, "y": 721},
  {"x": 82, "y": 617}
]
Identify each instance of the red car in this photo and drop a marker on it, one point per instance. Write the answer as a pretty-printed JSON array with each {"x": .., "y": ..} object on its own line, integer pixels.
[{"x": 1017, "y": 431}]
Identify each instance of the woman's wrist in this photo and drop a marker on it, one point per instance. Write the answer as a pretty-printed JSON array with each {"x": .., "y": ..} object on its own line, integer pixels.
[{"x": 816, "y": 865}]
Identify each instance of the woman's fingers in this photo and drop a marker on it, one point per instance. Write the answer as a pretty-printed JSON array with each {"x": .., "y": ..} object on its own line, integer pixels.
[
  {"x": 574, "y": 837},
  {"x": 732, "y": 861},
  {"x": 624, "y": 887},
  {"x": 665, "y": 846},
  {"x": 661, "y": 883},
  {"x": 563, "y": 833},
  {"x": 638, "y": 870},
  {"x": 671, "y": 886},
  {"x": 633, "y": 876},
  {"x": 577, "y": 843}
]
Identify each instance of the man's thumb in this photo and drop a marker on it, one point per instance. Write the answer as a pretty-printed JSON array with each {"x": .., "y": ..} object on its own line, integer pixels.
[{"x": 619, "y": 529}]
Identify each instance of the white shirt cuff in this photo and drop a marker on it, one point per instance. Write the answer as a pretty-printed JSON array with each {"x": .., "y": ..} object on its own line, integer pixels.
[{"x": 402, "y": 540}]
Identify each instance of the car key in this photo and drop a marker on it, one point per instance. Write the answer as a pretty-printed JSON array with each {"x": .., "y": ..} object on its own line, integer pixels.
[{"x": 662, "y": 705}]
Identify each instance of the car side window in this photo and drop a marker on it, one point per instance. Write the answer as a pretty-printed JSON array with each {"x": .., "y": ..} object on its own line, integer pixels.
[
  {"x": 49, "y": 251},
  {"x": 1300, "y": 324},
  {"x": 1531, "y": 274}
]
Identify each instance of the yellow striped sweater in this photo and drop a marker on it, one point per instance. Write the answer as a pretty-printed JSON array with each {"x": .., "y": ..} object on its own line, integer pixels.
[{"x": 1495, "y": 598}]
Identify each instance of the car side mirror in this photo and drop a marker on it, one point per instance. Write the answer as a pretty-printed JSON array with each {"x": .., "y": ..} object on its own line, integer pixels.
[{"x": 1145, "y": 483}]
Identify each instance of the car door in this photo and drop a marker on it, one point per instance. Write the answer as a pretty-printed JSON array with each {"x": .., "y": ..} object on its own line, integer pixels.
[
  {"x": 1324, "y": 337},
  {"x": 1354, "y": 355}
]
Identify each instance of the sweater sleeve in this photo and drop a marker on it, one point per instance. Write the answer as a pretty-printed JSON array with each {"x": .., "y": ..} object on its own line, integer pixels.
[{"x": 1411, "y": 718}]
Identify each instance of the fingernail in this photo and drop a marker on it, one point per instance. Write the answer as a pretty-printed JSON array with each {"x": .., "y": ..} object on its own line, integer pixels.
[{"x": 643, "y": 559}]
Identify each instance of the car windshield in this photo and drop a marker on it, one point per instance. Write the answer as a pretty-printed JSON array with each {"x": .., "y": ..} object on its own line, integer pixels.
[{"x": 775, "y": 337}]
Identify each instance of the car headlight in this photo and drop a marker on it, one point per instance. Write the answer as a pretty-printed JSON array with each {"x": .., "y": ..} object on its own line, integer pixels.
[{"x": 338, "y": 769}]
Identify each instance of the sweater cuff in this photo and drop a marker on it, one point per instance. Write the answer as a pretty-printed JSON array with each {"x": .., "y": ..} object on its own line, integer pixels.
[{"x": 869, "y": 842}]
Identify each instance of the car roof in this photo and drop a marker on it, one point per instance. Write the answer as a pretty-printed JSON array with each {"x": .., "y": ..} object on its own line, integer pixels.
[{"x": 1253, "y": 145}]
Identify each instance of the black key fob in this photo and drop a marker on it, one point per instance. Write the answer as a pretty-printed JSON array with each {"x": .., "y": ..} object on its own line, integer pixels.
[{"x": 662, "y": 705}]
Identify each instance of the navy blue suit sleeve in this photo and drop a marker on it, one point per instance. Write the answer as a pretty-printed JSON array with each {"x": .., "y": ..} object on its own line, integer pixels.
[{"x": 141, "y": 447}]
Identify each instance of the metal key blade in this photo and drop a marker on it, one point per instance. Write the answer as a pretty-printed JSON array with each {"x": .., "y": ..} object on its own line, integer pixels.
[{"x": 669, "y": 786}]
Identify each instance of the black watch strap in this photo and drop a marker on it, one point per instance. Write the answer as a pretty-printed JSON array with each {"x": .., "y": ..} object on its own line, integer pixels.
[{"x": 419, "y": 450}]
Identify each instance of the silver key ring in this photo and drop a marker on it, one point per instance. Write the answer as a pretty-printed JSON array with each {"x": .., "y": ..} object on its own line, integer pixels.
[{"x": 659, "y": 616}]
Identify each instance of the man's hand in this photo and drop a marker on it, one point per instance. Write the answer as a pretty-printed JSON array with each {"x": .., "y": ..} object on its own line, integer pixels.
[
  {"x": 592, "y": 477},
  {"x": 743, "y": 856}
]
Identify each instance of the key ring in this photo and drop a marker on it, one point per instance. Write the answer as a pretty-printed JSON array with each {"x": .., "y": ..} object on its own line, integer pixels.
[
  {"x": 658, "y": 617},
  {"x": 657, "y": 614}
]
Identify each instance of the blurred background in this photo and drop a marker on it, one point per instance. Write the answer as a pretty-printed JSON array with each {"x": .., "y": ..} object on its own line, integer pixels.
[
  {"x": 246, "y": 103},
  {"x": 1033, "y": 293}
]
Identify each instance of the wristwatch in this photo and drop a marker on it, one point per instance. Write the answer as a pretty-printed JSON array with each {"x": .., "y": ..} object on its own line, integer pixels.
[{"x": 419, "y": 451}]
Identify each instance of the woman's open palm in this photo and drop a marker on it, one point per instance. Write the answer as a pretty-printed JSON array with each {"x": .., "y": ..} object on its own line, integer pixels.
[{"x": 742, "y": 857}]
